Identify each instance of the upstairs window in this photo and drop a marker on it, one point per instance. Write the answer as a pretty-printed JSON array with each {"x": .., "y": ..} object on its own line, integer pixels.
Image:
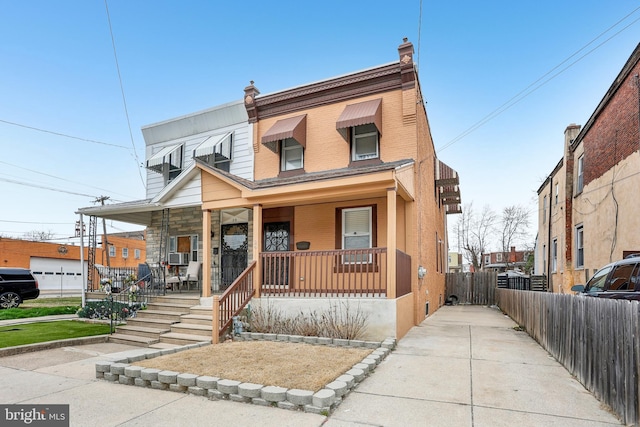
[
  {"x": 545, "y": 203},
  {"x": 168, "y": 162},
  {"x": 291, "y": 155},
  {"x": 580, "y": 180},
  {"x": 216, "y": 151},
  {"x": 136, "y": 253},
  {"x": 288, "y": 138},
  {"x": 125, "y": 253},
  {"x": 360, "y": 125},
  {"x": 364, "y": 142},
  {"x": 112, "y": 251},
  {"x": 554, "y": 256},
  {"x": 579, "y": 247}
]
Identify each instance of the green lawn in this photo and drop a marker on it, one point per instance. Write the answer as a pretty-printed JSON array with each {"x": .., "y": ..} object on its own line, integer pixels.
[
  {"x": 23, "y": 313},
  {"x": 30, "y": 333},
  {"x": 51, "y": 302}
]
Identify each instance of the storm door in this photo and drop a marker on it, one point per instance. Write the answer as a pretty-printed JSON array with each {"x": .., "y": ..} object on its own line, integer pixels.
[
  {"x": 235, "y": 247},
  {"x": 276, "y": 266}
]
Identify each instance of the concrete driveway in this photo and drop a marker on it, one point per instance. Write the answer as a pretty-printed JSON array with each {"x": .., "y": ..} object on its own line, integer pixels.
[{"x": 463, "y": 366}]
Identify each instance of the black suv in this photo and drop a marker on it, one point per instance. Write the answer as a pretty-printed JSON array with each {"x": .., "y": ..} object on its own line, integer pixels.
[
  {"x": 16, "y": 285},
  {"x": 618, "y": 280}
]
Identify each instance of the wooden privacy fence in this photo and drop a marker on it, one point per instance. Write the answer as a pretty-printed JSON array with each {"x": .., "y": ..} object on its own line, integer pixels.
[
  {"x": 596, "y": 339},
  {"x": 472, "y": 288}
]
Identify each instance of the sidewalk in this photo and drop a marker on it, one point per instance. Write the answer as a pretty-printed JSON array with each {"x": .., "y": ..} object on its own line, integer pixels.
[{"x": 464, "y": 366}]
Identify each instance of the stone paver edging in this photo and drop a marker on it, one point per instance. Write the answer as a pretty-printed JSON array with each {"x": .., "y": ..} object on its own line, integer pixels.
[{"x": 322, "y": 402}]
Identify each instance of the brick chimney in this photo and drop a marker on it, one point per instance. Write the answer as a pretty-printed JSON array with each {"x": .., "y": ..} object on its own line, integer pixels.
[{"x": 250, "y": 93}]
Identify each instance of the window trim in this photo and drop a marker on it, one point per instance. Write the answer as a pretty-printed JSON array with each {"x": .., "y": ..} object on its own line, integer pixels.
[
  {"x": 579, "y": 246},
  {"x": 372, "y": 265},
  {"x": 284, "y": 149},
  {"x": 580, "y": 174},
  {"x": 354, "y": 140}
]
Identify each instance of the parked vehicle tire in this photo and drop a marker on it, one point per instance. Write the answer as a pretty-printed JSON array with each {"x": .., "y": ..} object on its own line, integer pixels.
[{"x": 10, "y": 300}]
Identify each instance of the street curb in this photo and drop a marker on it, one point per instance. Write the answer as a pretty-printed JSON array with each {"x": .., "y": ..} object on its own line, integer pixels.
[{"x": 28, "y": 348}]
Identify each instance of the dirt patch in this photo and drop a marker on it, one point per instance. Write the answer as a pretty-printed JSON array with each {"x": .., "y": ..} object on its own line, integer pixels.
[{"x": 289, "y": 365}]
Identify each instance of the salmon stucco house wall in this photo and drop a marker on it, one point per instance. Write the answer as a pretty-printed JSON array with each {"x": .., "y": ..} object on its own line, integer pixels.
[{"x": 349, "y": 202}]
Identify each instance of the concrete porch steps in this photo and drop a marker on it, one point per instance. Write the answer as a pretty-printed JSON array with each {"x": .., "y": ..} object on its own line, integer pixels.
[
  {"x": 140, "y": 341},
  {"x": 142, "y": 331},
  {"x": 183, "y": 339},
  {"x": 150, "y": 324}
]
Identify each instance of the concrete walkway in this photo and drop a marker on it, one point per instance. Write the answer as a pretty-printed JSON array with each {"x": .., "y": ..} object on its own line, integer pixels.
[{"x": 464, "y": 366}]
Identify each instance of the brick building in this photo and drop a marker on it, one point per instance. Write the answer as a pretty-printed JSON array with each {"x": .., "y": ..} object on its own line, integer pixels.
[{"x": 588, "y": 205}]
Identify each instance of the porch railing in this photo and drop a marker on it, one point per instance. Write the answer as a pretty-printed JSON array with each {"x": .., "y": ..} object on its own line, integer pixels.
[
  {"x": 351, "y": 272},
  {"x": 232, "y": 301}
]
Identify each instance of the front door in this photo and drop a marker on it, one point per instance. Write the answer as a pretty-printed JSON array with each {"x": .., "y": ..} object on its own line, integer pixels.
[
  {"x": 235, "y": 247},
  {"x": 276, "y": 238}
]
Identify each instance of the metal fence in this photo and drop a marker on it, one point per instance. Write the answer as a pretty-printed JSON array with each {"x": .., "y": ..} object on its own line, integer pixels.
[{"x": 596, "y": 339}]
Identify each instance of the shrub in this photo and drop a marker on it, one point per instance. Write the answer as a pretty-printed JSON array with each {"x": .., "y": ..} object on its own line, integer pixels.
[
  {"x": 107, "y": 309},
  {"x": 340, "y": 320}
]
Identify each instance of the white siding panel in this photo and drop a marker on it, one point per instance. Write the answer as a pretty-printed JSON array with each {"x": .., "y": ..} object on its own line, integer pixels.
[{"x": 187, "y": 195}]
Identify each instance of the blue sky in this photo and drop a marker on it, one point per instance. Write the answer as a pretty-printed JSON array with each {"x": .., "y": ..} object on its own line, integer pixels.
[{"x": 59, "y": 75}]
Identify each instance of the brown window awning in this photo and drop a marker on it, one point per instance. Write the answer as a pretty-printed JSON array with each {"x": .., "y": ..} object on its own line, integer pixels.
[
  {"x": 293, "y": 127},
  {"x": 362, "y": 113}
]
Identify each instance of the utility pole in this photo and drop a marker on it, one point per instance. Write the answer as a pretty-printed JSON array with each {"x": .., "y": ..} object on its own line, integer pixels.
[{"x": 105, "y": 242}]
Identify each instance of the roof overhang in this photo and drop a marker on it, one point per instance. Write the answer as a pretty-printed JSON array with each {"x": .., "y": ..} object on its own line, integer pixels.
[{"x": 137, "y": 212}]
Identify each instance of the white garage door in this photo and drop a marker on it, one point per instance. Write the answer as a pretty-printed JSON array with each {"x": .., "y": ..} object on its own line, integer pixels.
[{"x": 60, "y": 275}]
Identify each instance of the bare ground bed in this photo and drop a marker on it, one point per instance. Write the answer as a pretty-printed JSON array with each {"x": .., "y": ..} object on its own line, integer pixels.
[{"x": 289, "y": 365}]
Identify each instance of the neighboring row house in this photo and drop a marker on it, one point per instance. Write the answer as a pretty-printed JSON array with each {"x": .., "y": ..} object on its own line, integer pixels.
[
  {"x": 588, "y": 205},
  {"x": 500, "y": 262},
  {"x": 330, "y": 194}
]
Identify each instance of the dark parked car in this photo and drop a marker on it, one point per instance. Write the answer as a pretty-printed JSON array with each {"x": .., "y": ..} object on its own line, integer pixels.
[
  {"x": 16, "y": 285},
  {"x": 619, "y": 280}
]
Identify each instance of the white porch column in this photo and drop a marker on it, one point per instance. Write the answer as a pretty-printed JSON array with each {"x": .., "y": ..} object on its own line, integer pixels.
[
  {"x": 391, "y": 242},
  {"x": 257, "y": 248},
  {"x": 206, "y": 249}
]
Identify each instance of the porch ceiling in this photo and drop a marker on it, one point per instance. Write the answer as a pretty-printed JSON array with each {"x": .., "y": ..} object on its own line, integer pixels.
[{"x": 138, "y": 212}]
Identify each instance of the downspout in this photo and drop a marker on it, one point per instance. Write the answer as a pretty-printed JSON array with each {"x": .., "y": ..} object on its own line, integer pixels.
[
  {"x": 82, "y": 275},
  {"x": 549, "y": 236}
]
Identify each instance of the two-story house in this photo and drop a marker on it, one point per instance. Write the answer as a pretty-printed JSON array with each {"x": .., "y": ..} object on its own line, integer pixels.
[
  {"x": 588, "y": 205},
  {"x": 348, "y": 201},
  {"x": 219, "y": 137}
]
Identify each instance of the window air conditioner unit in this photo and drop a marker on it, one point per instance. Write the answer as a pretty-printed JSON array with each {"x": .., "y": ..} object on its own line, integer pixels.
[{"x": 178, "y": 258}]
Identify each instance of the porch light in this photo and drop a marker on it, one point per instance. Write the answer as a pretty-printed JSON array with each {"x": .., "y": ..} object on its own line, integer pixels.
[{"x": 422, "y": 272}]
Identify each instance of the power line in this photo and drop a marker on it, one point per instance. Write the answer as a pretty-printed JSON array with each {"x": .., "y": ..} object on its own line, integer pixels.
[
  {"x": 44, "y": 187},
  {"x": 524, "y": 93},
  {"x": 62, "y": 134},
  {"x": 124, "y": 99},
  {"x": 56, "y": 177}
]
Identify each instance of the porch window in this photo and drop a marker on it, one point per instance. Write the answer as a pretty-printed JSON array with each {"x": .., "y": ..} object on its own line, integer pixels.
[
  {"x": 292, "y": 155},
  {"x": 356, "y": 232}
]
